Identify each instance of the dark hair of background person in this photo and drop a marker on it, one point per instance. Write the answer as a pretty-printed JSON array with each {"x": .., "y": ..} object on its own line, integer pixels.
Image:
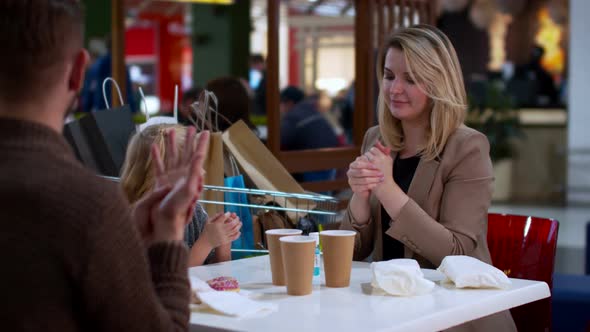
[
  {"x": 233, "y": 101},
  {"x": 191, "y": 95},
  {"x": 256, "y": 58},
  {"x": 292, "y": 94},
  {"x": 185, "y": 111},
  {"x": 34, "y": 49}
]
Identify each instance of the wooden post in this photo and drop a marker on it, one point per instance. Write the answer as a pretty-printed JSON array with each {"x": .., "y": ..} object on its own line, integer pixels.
[
  {"x": 118, "y": 50},
  {"x": 432, "y": 12},
  {"x": 364, "y": 69},
  {"x": 380, "y": 21},
  {"x": 412, "y": 11},
  {"x": 272, "y": 78},
  {"x": 391, "y": 17}
]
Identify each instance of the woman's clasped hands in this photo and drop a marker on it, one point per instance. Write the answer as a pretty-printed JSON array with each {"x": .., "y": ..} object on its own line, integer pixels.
[{"x": 371, "y": 170}]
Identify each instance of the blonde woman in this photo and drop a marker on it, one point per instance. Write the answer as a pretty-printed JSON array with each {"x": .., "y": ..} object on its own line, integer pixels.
[
  {"x": 209, "y": 239},
  {"x": 423, "y": 184}
]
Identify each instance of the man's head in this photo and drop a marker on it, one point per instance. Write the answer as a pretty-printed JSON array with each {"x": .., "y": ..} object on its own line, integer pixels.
[
  {"x": 42, "y": 61},
  {"x": 189, "y": 97},
  {"x": 257, "y": 61},
  {"x": 290, "y": 96}
]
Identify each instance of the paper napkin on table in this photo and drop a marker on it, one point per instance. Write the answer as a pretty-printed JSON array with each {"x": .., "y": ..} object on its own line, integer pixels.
[
  {"x": 401, "y": 277},
  {"x": 469, "y": 272},
  {"x": 227, "y": 302}
]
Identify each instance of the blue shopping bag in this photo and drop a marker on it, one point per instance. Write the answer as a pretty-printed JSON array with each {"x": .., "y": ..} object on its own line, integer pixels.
[{"x": 246, "y": 240}]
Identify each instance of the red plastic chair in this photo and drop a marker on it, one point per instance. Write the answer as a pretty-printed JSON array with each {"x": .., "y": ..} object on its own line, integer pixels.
[{"x": 524, "y": 247}]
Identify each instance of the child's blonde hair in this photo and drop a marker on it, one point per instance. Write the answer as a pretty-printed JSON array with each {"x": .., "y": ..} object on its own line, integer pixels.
[{"x": 137, "y": 175}]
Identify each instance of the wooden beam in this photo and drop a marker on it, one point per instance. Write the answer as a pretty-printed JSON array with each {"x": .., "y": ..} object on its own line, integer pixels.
[
  {"x": 391, "y": 17},
  {"x": 118, "y": 72},
  {"x": 364, "y": 70},
  {"x": 432, "y": 11},
  {"x": 272, "y": 78},
  {"x": 412, "y": 11},
  {"x": 400, "y": 13},
  {"x": 318, "y": 159},
  {"x": 380, "y": 21},
  {"x": 422, "y": 12}
]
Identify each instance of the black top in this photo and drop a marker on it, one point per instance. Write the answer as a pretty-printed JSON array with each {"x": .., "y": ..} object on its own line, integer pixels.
[{"x": 403, "y": 173}]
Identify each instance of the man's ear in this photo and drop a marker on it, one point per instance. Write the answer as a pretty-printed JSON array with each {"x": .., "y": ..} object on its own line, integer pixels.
[{"x": 78, "y": 70}]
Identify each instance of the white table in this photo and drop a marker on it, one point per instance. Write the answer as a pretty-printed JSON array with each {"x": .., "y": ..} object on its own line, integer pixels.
[{"x": 352, "y": 309}]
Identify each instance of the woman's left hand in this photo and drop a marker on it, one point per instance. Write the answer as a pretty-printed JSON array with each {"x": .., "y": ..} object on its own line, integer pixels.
[{"x": 388, "y": 192}]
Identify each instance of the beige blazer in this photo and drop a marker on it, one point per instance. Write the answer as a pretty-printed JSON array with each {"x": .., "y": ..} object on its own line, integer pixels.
[{"x": 446, "y": 214}]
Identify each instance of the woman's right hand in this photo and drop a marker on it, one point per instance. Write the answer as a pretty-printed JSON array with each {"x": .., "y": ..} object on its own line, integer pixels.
[
  {"x": 223, "y": 228},
  {"x": 363, "y": 176}
]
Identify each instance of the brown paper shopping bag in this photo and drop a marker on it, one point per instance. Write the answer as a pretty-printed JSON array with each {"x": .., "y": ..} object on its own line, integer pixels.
[
  {"x": 263, "y": 168},
  {"x": 213, "y": 166},
  {"x": 205, "y": 111}
]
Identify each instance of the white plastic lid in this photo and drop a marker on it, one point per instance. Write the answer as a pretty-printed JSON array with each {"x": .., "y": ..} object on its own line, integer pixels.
[
  {"x": 338, "y": 232},
  {"x": 284, "y": 231},
  {"x": 297, "y": 239}
]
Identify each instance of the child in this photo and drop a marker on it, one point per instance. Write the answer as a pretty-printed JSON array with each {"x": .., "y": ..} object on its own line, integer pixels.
[{"x": 209, "y": 239}]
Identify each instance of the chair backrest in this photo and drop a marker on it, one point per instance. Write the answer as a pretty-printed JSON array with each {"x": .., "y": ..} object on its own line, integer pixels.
[{"x": 524, "y": 247}]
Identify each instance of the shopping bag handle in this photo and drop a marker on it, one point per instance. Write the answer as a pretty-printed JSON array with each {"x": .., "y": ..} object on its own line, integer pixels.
[
  {"x": 234, "y": 165},
  {"x": 147, "y": 113},
  {"x": 203, "y": 112},
  {"x": 104, "y": 91}
]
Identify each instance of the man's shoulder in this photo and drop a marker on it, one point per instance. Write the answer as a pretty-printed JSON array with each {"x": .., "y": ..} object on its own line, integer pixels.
[
  {"x": 80, "y": 189},
  {"x": 303, "y": 109},
  {"x": 59, "y": 192}
]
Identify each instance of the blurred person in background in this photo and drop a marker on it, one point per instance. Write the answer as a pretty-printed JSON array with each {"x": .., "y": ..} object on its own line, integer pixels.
[
  {"x": 233, "y": 102},
  {"x": 92, "y": 93},
  {"x": 185, "y": 110},
  {"x": 257, "y": 82},
  {"x": 303, "y": 127},
  {"x": 532, "y": 85}
]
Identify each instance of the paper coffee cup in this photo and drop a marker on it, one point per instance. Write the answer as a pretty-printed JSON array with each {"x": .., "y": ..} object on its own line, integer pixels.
[
  {"x": 337, "y": 247},
  {"x": 298, "y": 256},
  {"x": 274, "y": 252}
]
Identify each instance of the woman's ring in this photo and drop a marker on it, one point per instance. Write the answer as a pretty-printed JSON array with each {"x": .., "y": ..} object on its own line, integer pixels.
[{"x": 368, "y": 158}]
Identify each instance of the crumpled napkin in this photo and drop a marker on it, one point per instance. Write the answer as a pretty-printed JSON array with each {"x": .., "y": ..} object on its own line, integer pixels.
[
  {"x": 401, "y": 277},
  {"x": 469, "y": 272},
  {"x": 228, "y": 303}
]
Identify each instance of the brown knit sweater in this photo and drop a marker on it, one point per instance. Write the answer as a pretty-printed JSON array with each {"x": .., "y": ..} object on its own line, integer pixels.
[{"x": 71, "y": 258}]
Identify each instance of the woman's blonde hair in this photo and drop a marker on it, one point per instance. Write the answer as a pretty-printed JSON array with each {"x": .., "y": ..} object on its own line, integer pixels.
[
  {"x": 137, "y": 176},
  {"x": 432, "y": 63}
]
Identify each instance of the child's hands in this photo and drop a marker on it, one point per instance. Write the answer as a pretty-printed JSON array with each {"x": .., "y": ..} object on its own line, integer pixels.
[{"x": 223, "y": 228}]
